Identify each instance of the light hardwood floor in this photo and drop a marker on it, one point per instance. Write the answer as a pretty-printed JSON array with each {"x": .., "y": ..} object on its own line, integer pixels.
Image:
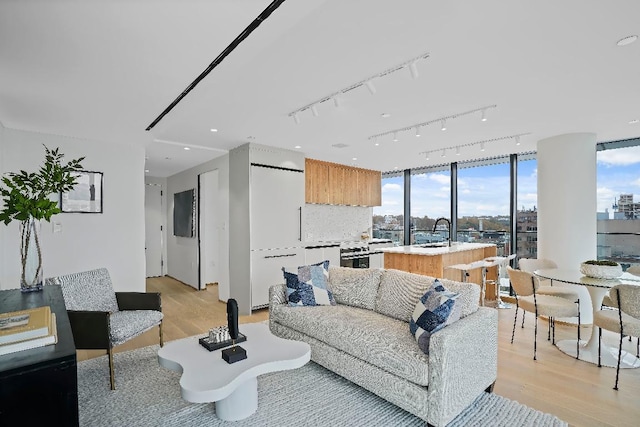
[{"x": 578, "y": 392}]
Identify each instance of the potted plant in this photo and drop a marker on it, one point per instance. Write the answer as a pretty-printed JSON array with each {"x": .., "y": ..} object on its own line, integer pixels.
[
  {"x": 601, "y": 269},
  {"x": 25, "y": 197}
]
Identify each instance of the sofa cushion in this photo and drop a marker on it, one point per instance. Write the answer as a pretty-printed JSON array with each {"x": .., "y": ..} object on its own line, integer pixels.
[
  {"x": 357, "y": 287},
  {"x": 365, "y": 334},
  {"x": 400, "y": 291},
  {"x": 309, "y": 286},
  {"x": 436, "y": 309}
]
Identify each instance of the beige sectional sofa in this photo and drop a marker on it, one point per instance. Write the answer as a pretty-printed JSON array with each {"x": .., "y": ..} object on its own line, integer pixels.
[{"x": 366, "y": 339}]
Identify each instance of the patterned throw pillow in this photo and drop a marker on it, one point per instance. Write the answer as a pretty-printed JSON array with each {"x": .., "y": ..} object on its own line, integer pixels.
[
  {"x": 436, "y": 309},
  {"x": 309, "y": 286}
]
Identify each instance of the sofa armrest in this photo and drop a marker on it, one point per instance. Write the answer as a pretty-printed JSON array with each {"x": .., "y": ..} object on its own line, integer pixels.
[
  {"x": 139, "y": 301},
  {"x": 90, "y": 329},
  {"x": 463, "y": 362}
]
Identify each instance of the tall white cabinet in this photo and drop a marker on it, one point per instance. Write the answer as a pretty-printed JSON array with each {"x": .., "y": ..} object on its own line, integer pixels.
[{"x": 265, "y": 220}]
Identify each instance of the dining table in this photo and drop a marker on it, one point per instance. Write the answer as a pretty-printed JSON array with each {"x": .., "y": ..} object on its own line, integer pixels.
[{"x": 597, "y": 289}]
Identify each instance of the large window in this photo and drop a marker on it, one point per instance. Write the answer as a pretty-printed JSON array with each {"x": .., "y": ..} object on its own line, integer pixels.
[
  {"x": 430, "y": 199},
  {"x": 388, "y": 219},
  {"x": 484, "y": 203},
  {"x": 618, "y": 195},
  {"x": 527, "y": 207}
]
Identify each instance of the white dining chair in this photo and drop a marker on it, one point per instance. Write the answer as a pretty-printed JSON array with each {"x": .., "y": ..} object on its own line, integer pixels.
[
  {"x": 624, "y": 321},
  {"x": 525, "y": 285}
]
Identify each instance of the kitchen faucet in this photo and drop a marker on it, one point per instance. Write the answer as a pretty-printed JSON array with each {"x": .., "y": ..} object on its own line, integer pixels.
[{"x": 448, "y": 224}]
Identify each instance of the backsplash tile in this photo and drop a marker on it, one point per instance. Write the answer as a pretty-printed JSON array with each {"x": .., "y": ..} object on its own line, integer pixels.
[{"x": 334, "y": 222}]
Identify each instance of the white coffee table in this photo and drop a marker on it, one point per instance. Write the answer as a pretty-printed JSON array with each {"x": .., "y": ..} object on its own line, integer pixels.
[{"x": 206, "y": 377}]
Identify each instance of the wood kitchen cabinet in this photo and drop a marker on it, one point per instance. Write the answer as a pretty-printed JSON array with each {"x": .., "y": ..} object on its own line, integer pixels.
[{"x": 336, "y": 184}]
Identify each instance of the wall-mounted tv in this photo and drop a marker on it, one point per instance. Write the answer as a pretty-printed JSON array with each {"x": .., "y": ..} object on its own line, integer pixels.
[{"x": 184, "y": 207}]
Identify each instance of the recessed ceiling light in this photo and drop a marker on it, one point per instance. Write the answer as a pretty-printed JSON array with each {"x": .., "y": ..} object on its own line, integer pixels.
[
  {"x": 627, "y": 40},
  {"x": 376, "y": 144},
  {"x": 214, "y": 130},
  {"x": 634, "y": 121},
  {"x": 297, "y": 146},
  {"x": 354, "y": 158},
  {"x": 385, "y": 115},
  {"x": 395, "y": 167},
  {"x": 146, "y": 171},
  {"x": 187, "y": 148}
]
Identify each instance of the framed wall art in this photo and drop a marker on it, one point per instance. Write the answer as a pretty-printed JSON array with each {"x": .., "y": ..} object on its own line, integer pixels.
[{"x": 86, "y": 196}]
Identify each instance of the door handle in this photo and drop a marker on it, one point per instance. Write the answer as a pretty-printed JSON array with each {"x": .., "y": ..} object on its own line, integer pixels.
[{"x": 300, "y": 233}]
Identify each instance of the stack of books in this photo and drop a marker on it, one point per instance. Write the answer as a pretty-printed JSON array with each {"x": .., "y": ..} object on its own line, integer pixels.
[{"x": 25, "y": 329}]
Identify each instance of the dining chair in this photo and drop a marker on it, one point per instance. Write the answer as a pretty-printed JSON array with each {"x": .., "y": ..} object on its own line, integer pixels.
[
  {"x": 101, "y": 318},
  {"x": 624, "y": 321},
  {"x": 607, "y": 301},
  {"x": 525, "y": 285}
]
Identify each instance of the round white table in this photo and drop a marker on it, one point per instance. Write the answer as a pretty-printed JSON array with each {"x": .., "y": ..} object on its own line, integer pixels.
[
  {"x": 597, "y": 289},
  {"x": 206, "y": 377}
]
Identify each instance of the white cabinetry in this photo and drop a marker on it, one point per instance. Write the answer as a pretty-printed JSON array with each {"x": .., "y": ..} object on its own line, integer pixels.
[
  {"x": 277, "y": 197},
  {"x": 266, "y": 270},
  {"x": 376, "y": 260},
  {"x": 316, "y": 254}
]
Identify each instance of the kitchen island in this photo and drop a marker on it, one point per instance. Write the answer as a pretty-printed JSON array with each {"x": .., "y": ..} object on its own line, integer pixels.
[{"x": 433, "y": 261}]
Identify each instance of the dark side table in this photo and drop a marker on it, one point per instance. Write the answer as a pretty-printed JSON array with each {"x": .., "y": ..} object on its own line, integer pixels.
[{"x": 39, "y": 385}]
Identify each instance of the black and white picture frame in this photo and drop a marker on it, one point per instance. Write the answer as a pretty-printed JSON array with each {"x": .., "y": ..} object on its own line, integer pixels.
[{"x": 86, "y": 196}]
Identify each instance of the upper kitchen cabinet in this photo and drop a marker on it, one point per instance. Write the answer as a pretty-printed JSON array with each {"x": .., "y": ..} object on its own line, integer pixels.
[{"x": 336, "y": 184}]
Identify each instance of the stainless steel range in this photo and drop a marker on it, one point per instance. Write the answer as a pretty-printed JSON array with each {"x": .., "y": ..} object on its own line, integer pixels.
[{"x": 354, "y": 254}]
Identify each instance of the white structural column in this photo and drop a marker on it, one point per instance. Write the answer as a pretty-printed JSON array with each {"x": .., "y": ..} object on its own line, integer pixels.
[{"x": 567, "y": 204}]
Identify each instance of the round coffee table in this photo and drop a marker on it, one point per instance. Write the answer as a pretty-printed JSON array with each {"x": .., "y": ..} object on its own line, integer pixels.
[{"x": 206, "y": 377}]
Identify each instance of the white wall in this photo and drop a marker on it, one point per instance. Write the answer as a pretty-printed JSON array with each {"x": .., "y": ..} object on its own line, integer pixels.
[
  {"x": 113, "y": 239},
  {"x": 182, "y": 252},
  {"x": 209, "y": 208},
  {"x": 333, "y": 222}
]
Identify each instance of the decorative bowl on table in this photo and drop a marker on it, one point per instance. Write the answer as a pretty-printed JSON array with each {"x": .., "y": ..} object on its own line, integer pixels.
[{"x": 601, "y": 269}]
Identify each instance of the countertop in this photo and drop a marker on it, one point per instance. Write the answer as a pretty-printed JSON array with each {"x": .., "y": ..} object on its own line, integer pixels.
[
  {"x": 415, "y": 250},
  {"x": 332, "y": 243}
]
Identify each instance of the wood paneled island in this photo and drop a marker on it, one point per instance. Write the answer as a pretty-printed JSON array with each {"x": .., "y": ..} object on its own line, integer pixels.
[{"x": 434, "y": 261}]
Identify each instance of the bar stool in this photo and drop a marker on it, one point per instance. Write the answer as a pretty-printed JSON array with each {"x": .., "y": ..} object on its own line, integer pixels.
[
  {"x": 501, "y": 262},
  {"x": 464, "y": 271}
]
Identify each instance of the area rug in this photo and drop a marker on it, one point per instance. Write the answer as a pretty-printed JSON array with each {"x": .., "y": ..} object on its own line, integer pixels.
[{"x": 149, "y": 395}]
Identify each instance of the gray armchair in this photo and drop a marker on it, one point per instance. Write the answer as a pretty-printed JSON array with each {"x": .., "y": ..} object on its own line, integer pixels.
[{"x": 102, "y": 318}]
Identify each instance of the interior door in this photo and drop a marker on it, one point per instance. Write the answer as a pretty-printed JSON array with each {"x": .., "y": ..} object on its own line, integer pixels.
[{"x": 153, "y": 229}]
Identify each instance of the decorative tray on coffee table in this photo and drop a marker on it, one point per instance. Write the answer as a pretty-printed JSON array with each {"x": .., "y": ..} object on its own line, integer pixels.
[{"x": 219, "y": 338}]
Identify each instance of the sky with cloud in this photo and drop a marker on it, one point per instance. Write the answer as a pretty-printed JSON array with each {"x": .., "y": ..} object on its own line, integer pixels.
[{"x": 484, "y": 191}]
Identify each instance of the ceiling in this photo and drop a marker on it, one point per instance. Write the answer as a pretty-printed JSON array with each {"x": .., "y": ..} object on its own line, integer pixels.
[{"x": 105, "y": 70}]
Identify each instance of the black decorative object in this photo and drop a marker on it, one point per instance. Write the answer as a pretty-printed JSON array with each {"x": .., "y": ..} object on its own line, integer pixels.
[{"x": 235, "y": 353}]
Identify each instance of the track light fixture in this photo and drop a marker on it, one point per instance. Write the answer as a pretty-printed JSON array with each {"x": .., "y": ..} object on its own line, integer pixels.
[
  {"x": 368, "y": 82},
  {"x": 484, "y": 116},
  {"x": 371, "y": 87},
  {"x": 296, "y": 118},
  {"x": 482, "y": 144},
  {"x": 417, "y": 131},
  {"x": 336, "y": 101},
  {"x": 441, "y": 120},
  {"x": 413, "y": 67},
  {"x": 395, "y": 137},
  {"x": 314, "y": 110}
]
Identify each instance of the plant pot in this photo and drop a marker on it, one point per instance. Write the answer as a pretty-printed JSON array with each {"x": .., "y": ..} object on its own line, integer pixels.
[
  {"x": 31, "y": 277},
  {"x": 601, "y": 271}
]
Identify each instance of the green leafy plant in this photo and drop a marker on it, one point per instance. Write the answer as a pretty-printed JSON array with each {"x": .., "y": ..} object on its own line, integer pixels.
[
  {"x": 26, "y": 194},
  {"x": 603, "y": 262},
  {"x": 25, "y": 197}
]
